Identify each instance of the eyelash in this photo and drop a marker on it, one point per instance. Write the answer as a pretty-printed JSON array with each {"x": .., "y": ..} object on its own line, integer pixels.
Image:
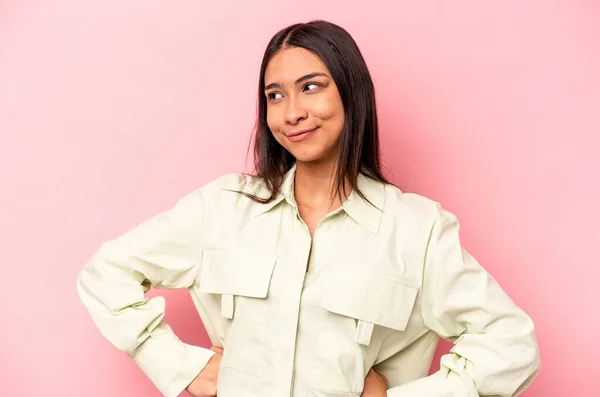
[
  {"x": 307, "y": 84},
  {"x": 317, "y": 85}
]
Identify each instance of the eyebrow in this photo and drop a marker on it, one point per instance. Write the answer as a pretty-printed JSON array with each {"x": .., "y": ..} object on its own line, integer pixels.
[{"x": 300, "y": 80}]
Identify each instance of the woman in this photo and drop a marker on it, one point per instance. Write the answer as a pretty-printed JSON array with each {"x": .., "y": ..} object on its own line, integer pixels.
[{"x": 314, "y": 277}]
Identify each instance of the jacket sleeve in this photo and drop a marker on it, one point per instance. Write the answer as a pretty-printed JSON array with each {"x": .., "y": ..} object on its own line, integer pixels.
[
  {"x": 495, "y": 352},
  {"x": 162, "y": 252}
]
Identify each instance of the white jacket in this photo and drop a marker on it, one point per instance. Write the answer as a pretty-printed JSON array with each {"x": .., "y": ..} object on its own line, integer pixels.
[{"x": 385, "y": 280}]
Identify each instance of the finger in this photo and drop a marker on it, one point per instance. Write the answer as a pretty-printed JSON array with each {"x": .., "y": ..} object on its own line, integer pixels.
[{"x": 217, "y": 349}]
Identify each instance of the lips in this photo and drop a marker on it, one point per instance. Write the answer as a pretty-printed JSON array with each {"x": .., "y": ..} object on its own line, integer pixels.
[{"x": 301, "y": 134}]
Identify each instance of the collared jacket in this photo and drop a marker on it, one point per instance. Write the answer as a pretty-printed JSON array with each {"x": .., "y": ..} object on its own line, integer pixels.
[{"x": 383, "y": 278}]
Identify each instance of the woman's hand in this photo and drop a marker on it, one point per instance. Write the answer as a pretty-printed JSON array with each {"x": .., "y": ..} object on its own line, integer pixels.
[
  {"x": 375, "y": 385},
  {"x": 205, "y": 384}
]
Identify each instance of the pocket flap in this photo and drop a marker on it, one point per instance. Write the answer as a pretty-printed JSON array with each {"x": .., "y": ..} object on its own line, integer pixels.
[
  {"x": 376, "y": 299},
  {"x": 236, "y": 271}
]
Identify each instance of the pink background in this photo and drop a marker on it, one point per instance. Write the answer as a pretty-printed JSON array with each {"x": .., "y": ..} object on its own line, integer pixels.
[{"x": 111, "y": 111}]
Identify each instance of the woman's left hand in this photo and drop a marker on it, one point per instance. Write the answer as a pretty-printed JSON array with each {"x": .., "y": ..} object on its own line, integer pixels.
[{"x": 375, "y": 385}]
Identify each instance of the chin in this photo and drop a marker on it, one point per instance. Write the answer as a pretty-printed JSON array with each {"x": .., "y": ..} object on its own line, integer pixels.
[{"x": 310, "y": 156}]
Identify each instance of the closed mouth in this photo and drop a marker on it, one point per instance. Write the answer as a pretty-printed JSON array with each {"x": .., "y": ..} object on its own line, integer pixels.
[{"x": 296, "y": 133}]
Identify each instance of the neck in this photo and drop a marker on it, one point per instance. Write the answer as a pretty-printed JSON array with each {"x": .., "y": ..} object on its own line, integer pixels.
[{"x": 314, "y": 186}]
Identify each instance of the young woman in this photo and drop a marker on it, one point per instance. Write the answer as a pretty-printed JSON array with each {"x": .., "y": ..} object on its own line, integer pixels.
[{"x": 315, "y": 276}]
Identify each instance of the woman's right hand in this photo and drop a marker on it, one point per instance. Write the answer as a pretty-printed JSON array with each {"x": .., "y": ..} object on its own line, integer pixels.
[{"x": 205, "y": 384}]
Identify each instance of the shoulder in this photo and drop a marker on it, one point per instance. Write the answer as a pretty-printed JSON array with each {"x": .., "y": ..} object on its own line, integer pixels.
[
  {"x": 229, "y": 189},
  {"x": 234, "y": 182},
  {"x": 413, "y": 208}
]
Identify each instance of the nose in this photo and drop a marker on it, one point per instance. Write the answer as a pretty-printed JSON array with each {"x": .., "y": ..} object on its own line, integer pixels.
[{"x": 294, "y": 111}]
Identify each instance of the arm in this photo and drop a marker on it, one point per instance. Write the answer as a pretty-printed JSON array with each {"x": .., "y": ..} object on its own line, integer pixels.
[
  {"x": 162, "y": 252},
  {"x": 495, "y": 351}
]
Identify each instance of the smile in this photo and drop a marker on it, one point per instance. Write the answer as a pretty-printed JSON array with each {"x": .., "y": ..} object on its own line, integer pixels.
[{"x": 301, "y": 135}]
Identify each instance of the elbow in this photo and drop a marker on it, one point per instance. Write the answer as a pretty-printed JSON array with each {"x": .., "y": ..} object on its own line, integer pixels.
[
  {"x": 529, "y": 370},
  {"x": 517, "y": 362},
  {"x": 534, "y": 354},
  {"x": 531, "y": 346},
  {"x": 528, "y": 360}
]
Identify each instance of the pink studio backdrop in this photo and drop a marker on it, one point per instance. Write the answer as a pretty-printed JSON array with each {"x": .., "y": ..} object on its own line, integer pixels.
[{"x": 111, "y": 111}]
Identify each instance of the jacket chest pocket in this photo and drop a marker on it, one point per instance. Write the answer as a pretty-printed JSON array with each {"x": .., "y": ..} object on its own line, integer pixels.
[
  {"x": 241, "y": 277},
  {"x": 235, "y": 272},
  {"x": 371, "y": 300},
  {"x": 360, "y": 310}
]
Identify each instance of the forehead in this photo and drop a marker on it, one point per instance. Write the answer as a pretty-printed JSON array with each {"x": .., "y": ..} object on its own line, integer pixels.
[{"x": 292, "y": 63}]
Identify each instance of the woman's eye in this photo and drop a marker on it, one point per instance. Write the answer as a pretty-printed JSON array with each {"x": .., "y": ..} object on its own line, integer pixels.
[
  {"x": 274, "y": 95},
  {"x": 311, "y": 87}
]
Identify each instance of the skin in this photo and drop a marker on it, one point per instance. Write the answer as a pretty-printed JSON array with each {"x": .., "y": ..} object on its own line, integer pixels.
[
  {"x": 301, "y": 96},
  {"x": 205, "y": 383}
]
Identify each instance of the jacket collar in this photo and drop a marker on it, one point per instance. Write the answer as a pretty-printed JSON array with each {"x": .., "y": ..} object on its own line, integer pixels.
[{"x": 367, "y": 212}]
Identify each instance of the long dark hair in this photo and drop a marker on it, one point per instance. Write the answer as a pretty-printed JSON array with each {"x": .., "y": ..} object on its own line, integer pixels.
[{"x": 359, "y": 141}]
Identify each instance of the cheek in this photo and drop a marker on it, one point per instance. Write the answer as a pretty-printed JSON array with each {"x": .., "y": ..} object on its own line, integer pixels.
[
  {"x": 328, "y": 108},
  {"x": 274, "y": 124},
  {"x": 273, "y": 119}
]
